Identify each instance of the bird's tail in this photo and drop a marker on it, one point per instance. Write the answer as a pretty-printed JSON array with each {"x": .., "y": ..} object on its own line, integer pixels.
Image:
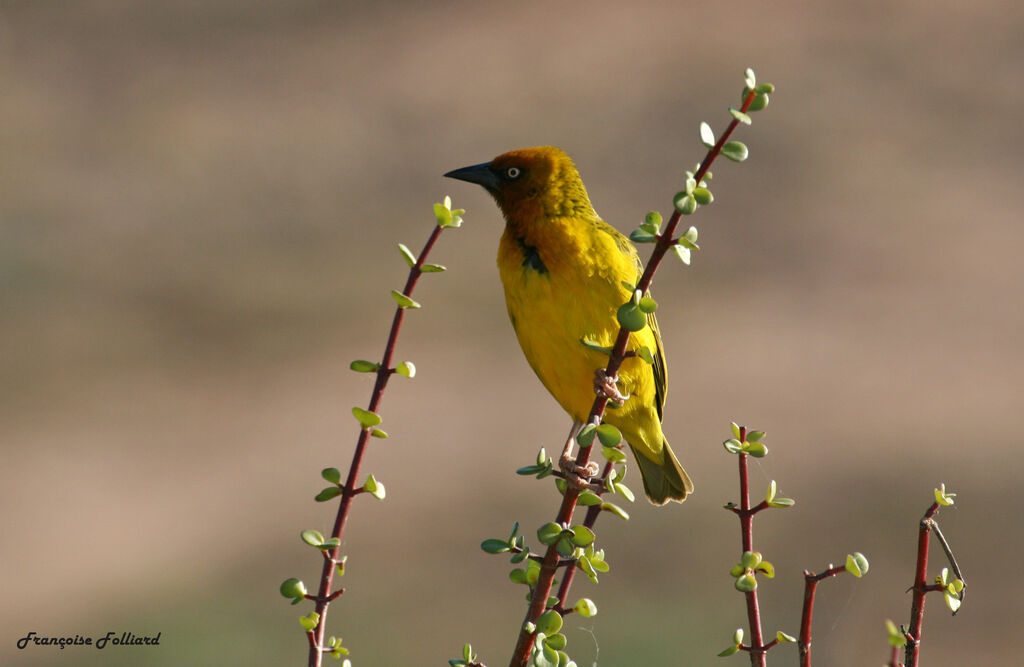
[{"x": 666, "y": 481}]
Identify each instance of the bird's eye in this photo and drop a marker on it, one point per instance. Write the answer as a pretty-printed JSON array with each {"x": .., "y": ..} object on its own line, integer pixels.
[{"x": 512, "y": 173}]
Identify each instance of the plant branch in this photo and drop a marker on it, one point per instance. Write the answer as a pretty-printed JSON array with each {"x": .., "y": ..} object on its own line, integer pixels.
[
  {"x": 542, "y": 589},
  {"x": 350, "y": 490},
  {"x": 810, "y": 587},
  {"x": 746, "y": 515},
  {"x": 920, "y": 587}
]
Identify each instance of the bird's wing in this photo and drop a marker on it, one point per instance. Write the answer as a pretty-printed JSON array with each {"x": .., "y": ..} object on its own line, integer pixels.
[
  {"x": 660, "y": 372},
  {"x": 659, "y": 368}
]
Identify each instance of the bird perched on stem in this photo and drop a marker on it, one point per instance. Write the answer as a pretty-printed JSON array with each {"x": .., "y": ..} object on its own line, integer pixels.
[{"x": 566, "y": 272}]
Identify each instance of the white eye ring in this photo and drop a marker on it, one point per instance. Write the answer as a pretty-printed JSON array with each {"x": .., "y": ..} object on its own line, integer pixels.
[{"x": 512, "y": 173}]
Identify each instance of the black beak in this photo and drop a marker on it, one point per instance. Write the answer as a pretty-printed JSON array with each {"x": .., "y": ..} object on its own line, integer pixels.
[{"x": 480, "y": 174}]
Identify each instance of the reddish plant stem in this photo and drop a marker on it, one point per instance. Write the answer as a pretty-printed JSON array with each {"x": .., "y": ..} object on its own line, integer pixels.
[
  {"x": 350, "y": 491},
  {"x": 921, "y": 587},
  {"x": 592, "y": 513},
  {"x": 542, "y": 589},
  {"x": 894, "y": 658},
  {"x": 810, "y": 587},
  {"x": 746, "y": 515}
]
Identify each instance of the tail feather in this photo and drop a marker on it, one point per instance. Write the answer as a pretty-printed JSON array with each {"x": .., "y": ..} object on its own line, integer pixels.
[{"x": 666, "y": 481}]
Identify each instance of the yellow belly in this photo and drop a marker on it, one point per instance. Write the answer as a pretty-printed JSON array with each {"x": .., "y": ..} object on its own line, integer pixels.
[{"x": 575, "y": 297}]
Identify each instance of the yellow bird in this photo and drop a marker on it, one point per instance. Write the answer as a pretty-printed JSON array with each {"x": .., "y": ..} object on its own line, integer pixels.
[{"x": 565, "y": 273}]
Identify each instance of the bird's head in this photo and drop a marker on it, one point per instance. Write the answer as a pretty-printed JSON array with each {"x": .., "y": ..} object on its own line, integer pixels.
[{"x": 531, "y": 182}]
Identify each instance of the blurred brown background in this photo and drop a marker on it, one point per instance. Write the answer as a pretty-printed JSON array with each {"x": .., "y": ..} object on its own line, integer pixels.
[{"x": 199, "y": 204}]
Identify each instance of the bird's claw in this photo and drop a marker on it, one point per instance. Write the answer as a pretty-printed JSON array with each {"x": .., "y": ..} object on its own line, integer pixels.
[
  {"x": 606, "y": 385},
  {"x": 576, "y": 475}
]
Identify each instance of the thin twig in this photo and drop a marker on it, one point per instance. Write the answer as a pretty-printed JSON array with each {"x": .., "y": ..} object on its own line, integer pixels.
[
  {"x": 349, "y": 490},
  {"x": 810, "y": 587},
  {"x": 920, "y": 587}
]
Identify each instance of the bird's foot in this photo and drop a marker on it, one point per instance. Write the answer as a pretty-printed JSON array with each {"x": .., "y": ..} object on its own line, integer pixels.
[
  {"x": 576, "y": 475},
  {"x": 606, "y": 385}
]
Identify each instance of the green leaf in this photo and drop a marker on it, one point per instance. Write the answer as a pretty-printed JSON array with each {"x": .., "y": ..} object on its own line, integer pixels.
[
  {"x": 582, "y": 536},
  {"x": 642, "y": 236},
  {"x": 782, "y": 637},
  {"x": 313, "y": 538},
  {"x": 746, "y": 583},
  {"x": 685, "y": 203},
  {"x": 585, "y": 607},
  {"x": 689, "y": 239},
  {"x": 332, "y": 475},
  {"x": 756, "y": 449},
  {"x": 549, "y": 655},
  {"x": 749, "y": 78},
  {"x": 755, "y": 436},
  {"x": 750, "y": 559},
  {"x": 364, "y": 366},
  {"x": 703, "y": 196},
  {"x": 294, "y": 589},
  {"x": 740, "y": 116},
  {"x": 587, "y": 566},
  {"x": 406, "y": 368},
  {"x": 374, "y": 488},
  {"x": 631, "y": 318},
  {"x": 759, "y": 103},
  {"x": 857, "y": 564},
  {"x": 733, "y": 446},
  {"x": 589, "y": 498},
  {"x": 377, "y": 433},
  {"x": 549, "y": 533},
  {"x": 446, "y": 216},
  {"x": 729, "y": 651},
  {"x": 648, "y": 305},
  {"x": 494, "y": 546},
  {"x": 366, "y": 418},
  {"x": 897, "y": 638},
  {"x": 737, "y": 637},
  {"x": 407, "y": 255},
  {"x": 585, "y": 437},
  {"x": 735, "y": 151},
  {"x": 403, "y": 301},
  {"x": 341, "y": 565},
  {"x": 653, "y": 218},
  {"x": 644, "y": 353},
  {"x": 549, "y": 622},
  {"x": 783, "y": 502},
  {"x": 565, "y": 547},
  {"x": 683, "y": 253},
  {"x": 608, "y": 435},
  {"x": 309, "y": 621},
  {"x": 443, "y": 215},
  {"x": 707, "y": 135},
  {"x": 624, "y": 491},
  {"x": 766, "y": 568},
  {"x": 735, "y": 430},
  {"x": 327, "y": 494},
  {"x": 433, "y": 268},
  {"x": 613, "y": 454},
  {"x": 616, "y": 510},
  {"x": 765, "y": 88},
  {"x": 942, "y": 497},
  {"x": 557, "y": 642},
  {"x": 518, "y": 576},
  {"x": 772, "y": 489}
]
